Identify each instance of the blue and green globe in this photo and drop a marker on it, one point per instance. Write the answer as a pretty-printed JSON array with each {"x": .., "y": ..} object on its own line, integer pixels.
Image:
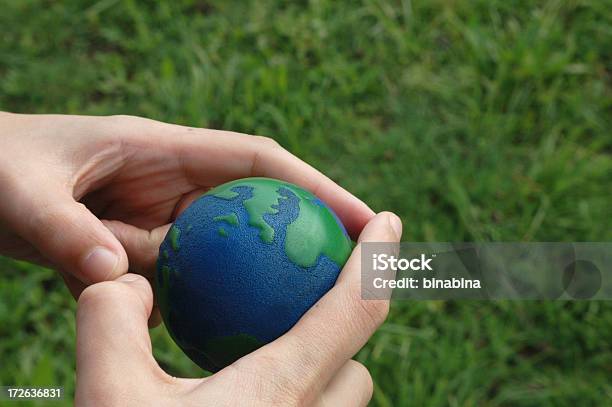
[{"x": 242, "y": 264}]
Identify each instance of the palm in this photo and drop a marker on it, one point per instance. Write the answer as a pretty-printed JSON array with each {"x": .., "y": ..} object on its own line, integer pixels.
[{"x": 144, "y": 194}]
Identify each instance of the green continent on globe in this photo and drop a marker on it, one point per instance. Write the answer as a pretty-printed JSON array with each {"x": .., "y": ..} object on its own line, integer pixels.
[
  {"x": 313, "y": 233},
  {"x": 231, "y": 219},
  {"x": 175, "y": 234}
]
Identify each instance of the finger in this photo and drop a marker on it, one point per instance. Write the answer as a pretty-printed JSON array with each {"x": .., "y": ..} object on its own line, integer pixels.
[
  {"x": 141, "y": 246},
  {"x": 351, "y": 386},
  {"x": 68, "y": 234},
  {"x": 249, "y": 157},
  {"x": 339, "y": 324},
  {"x": 112, "y": 333},
  {"x": 211, "y": 157},
  {"x": 76, "y": 287}
]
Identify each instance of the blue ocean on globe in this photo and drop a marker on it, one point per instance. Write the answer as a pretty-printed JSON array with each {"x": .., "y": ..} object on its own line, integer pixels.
[{"x": 242, "y": 264}]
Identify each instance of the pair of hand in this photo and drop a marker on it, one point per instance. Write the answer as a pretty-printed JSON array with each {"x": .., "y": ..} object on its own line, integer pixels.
[{"x": 94, "y": 196}]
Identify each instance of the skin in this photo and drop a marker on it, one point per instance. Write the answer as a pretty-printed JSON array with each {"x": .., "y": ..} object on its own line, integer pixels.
[
  {"x": 72, "y": 184},
  {"x": 94, "y": 196},
  {"x": 309, "y": 365}
]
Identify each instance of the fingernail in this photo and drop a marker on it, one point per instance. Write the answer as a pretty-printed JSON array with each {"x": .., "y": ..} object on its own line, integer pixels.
[
  {"x": 396, "y": 224},
  {"x": 99, "y": 264}
]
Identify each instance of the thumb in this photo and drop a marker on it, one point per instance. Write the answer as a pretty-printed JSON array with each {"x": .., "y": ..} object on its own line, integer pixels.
[
  {"x": 112, "y": 336},
  {"x": 70, "y": 236}
]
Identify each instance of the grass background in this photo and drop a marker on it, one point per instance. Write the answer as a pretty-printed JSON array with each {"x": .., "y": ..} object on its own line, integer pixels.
[{"x": 473, "y": 120}]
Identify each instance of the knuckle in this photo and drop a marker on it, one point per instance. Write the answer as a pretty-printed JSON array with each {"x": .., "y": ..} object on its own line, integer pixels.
[
  {"x": 372, "y": 312},
  {"x": 118, "y": 129},
  {"x": 116, "y": 126},
  {"x": 122, "y": 118},
  {"x": 375, "y": 310},
  {"x": 268, "y": 141}
]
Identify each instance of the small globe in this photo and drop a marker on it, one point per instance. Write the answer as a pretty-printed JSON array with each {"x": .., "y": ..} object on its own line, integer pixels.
[{"x": 242, "y": 264}]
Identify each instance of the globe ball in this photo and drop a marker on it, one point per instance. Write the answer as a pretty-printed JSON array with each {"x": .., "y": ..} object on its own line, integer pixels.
[{"x": 242, "y": 264}]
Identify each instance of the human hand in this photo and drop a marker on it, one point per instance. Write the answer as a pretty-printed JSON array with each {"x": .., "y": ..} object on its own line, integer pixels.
[
  {"x": 85, "y": 194},
  {"x": 309, "y": 365}
]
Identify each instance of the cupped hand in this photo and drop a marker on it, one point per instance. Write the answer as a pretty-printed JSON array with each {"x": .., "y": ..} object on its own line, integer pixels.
[
  {"x": 309, "y": 365},
  {"x": 93, "y": 196}
]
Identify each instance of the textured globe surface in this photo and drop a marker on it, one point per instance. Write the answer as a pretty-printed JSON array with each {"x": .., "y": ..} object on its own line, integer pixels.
[{"x": 242, "y": 264}]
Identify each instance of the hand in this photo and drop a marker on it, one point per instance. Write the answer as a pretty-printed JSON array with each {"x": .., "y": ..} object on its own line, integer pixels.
[
  {"x": 85, "y": 194},
  {"x": 308, "y": 365}
]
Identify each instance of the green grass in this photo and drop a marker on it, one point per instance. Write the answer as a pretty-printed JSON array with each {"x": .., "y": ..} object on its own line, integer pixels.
[{"x": 473, "y": 120}]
